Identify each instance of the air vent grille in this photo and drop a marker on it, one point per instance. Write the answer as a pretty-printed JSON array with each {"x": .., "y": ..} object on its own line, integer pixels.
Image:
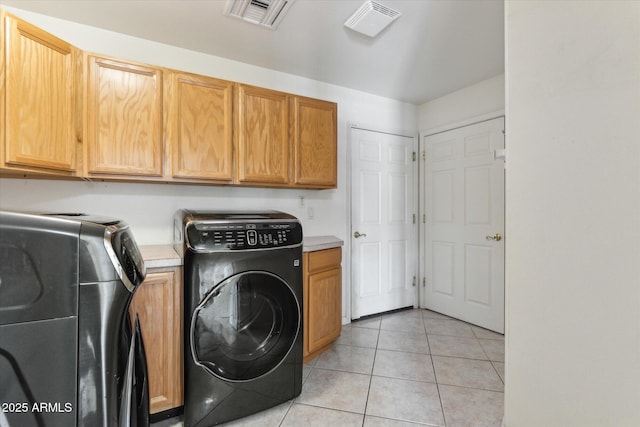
[
  {"x": 371, "y": 18},
  {"x": 266, "y": 13},
  {"x": 385, "y": 10}
]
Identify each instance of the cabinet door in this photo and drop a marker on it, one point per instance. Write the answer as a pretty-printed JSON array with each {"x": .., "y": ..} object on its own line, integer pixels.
[
  {"x": 199, "y": 126},
  {"x": 158, "y": 303},
  {"x": 124, "y": 118},
  {"x": 262, "y": 136},
  {"x": 40, "y": 111},
  {"x": 325, "y": 294},
  {"x": 315, "y": 142}
]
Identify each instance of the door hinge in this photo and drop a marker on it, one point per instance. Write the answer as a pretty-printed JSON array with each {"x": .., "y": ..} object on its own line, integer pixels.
[
  {"x": 414, "y": 281},
  {"x": 424, "y": 155},
  {"x": 414, "y": 156},
  {"x": 414, "y": 218},
  {"x": 424, "y": 218},
  {"x": 424, "y": 282}
]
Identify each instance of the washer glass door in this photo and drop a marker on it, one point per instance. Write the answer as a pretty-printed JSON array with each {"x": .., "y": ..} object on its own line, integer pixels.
[{"x": 245, "y": 326}]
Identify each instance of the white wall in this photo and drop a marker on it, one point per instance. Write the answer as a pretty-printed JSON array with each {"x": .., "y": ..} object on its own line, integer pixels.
[
  {"x": 149, "y": 208},
  {"x": 474, "y": 101},
  {"x": 573, "y": 213}
]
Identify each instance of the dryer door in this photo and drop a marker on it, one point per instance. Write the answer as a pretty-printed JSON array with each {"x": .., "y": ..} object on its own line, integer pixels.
[{"x": 245, "y": 326}]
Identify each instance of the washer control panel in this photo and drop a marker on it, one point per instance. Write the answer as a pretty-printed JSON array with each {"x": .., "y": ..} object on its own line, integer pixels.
[{"x": 215, "y": 236}]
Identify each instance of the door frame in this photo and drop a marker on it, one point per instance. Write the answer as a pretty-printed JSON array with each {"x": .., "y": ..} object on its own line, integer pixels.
[
  {"x": 422, "y": 202},
  {"x": 347, "y": 291}
]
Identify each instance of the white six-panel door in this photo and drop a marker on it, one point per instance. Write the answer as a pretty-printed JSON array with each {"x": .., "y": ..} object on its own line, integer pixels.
[
  {"x": 463, "y": 205},
  {"x": 383, "y": 234}
]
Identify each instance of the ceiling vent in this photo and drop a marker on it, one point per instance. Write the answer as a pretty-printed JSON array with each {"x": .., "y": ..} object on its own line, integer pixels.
[
  {"x": 266, "y": 13},
  {"x": 371, "y": 18}
]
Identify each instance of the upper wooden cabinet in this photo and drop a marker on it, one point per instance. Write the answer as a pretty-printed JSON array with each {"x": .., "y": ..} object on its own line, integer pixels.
[
  {"x": 285, "y": 139},
  {"x": 262, "y": 132},
  {"x": 123, "y": 119},
  {"x": 315, "y": 142},
  {"x": 199, "y": 126},
  {"x": 73, "y": 113},
  {"x": 40, "y": 123}
]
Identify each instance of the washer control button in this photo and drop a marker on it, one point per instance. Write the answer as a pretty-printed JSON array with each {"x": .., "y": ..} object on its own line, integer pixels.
[{"x": 252, "y": 237}]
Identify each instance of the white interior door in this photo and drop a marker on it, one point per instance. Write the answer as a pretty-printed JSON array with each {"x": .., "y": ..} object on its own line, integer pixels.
[
  {"x": 383, "y": 230},
  {"x": 464, "y": 223}
]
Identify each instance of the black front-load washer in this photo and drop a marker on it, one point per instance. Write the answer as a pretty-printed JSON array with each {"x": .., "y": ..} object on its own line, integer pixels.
[{"x": 243, "y": 312}]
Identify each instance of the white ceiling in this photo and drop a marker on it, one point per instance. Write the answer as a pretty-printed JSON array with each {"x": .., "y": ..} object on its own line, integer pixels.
[{"x": 434, "y": 48}]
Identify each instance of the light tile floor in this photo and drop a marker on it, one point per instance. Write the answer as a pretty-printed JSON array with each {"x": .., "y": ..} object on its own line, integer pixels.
[{"x": 409, "y": 368}]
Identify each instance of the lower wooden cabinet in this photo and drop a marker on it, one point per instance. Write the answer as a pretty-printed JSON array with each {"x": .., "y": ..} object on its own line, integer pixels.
[
  {"x": 158, "y": 303},
  {"x": 322, "y": 300}
]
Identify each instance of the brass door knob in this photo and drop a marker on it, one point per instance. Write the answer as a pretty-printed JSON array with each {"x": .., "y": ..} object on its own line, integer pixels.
[
  {"x": 496, "y": 237},
  {"x": 358, "y": 234}
]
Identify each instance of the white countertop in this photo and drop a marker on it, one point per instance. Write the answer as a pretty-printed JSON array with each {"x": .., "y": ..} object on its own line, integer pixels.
[
  {"x": 318, "y": 243},
  {"x": 157, "y": 256}
]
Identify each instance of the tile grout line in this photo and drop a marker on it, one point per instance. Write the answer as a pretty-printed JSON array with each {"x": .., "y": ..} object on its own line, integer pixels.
[
  {"x": 284, "y": 417},
  {"x": 435, "y": 375},
  {"x": 375, "y": 354},
  {"x": 489, "y": 359}
]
